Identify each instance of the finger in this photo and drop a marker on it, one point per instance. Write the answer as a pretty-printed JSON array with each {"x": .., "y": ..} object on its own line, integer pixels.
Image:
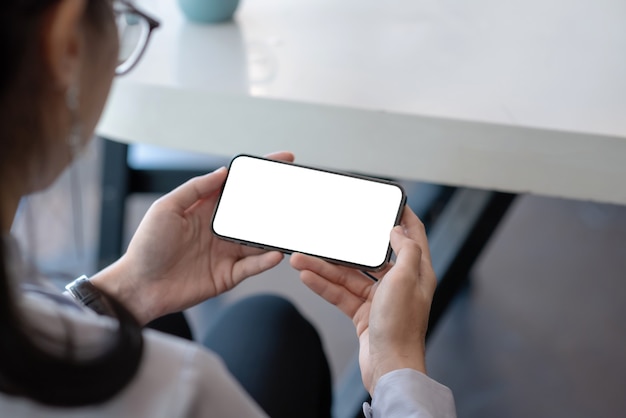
[
  {"x": 378, "y": 275},
  {"x": 255, "y": 264},
  {"x": 196, "y": 189},
  {"x": 410, "y": 262},
  {"x": 342, "y": 298},
  {"x": 408, "y": 252},
  {"x": 307, "y": 262},
  {"x": 281, "y": 156},
  {"x": 415, "y": 230},
  {"x": 353, "y": 280}
]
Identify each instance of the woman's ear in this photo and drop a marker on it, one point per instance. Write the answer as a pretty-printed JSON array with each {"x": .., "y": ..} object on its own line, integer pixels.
[{"x": 62, "y": 41}]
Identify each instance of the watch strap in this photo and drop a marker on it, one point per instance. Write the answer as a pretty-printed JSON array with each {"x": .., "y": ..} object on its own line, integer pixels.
[{"x": 88, "y": 295}]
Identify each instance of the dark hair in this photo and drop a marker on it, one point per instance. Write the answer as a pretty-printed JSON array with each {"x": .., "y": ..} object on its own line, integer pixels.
[{"x": 26, "y": 369}]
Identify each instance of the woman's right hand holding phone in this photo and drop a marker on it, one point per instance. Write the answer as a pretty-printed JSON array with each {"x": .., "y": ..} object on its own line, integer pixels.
[{"x": 391, "y": 315}]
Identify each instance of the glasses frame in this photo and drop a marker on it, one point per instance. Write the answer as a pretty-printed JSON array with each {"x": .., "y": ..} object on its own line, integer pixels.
[{"x": 126, "y": 66}]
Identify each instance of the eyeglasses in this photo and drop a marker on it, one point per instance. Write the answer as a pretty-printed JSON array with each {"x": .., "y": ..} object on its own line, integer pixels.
[{"x": 134, "y": 28}]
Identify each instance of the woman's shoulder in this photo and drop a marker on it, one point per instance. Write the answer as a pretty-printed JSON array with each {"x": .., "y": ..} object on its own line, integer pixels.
[
  {"x": 176, "y": 377},
  {"x": 163, "y": 354},
  {"x": 199, "y": 377}
]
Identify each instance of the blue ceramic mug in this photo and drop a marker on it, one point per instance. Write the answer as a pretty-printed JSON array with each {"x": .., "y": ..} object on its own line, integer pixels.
[{"x": 209, "y": 11}]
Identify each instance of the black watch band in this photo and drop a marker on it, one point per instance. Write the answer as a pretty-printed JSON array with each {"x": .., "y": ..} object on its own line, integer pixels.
[{"x": 88, "y": 295}]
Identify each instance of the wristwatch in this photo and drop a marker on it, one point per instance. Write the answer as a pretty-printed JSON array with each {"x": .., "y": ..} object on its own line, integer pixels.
[{"x": 88, "y": 295}]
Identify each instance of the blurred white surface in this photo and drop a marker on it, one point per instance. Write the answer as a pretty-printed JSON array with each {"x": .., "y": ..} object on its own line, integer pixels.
[
  {"x": 525, "y": 96},
  {"x": 557, "y": 65}
]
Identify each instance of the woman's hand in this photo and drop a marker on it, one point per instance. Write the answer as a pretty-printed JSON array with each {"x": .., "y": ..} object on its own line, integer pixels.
[
  {"x": 390, "y": 316},
  {"x": 174, "y": 261}
]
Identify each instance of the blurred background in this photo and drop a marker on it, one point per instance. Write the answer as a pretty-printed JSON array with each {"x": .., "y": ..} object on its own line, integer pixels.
[{"x": 539, "y": 332}]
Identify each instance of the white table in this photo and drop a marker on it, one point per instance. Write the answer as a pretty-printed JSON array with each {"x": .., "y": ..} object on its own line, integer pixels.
[{"x": 518, "y": 96}]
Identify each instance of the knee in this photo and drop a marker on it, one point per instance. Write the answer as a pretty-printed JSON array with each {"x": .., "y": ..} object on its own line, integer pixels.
[
  {"x": 267, "y": 309},
  {"x": 271, "y": 316}
]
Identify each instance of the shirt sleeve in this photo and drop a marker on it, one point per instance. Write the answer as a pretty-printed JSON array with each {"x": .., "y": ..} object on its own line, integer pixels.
[{"x": 409, "y": 393}]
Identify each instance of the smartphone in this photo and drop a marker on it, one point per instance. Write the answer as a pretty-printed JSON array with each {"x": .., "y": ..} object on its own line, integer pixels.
[{"x": 342, "y": 218}]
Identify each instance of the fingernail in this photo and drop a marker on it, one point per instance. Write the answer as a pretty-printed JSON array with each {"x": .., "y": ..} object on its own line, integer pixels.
[
  {"x": 402, "y": 230},
  {"x": 399, "y": 229}
]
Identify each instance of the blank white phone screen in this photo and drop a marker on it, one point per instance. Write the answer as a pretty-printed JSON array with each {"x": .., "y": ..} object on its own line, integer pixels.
[{"x": 298, "y": 209}]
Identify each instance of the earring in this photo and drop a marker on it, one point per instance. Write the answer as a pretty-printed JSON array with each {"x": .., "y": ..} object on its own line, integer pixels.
[{"x": 72, "y": 103}]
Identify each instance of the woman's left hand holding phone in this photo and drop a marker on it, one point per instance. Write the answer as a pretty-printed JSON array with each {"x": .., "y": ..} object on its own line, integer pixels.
[{"x": 174, "y": 261}]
